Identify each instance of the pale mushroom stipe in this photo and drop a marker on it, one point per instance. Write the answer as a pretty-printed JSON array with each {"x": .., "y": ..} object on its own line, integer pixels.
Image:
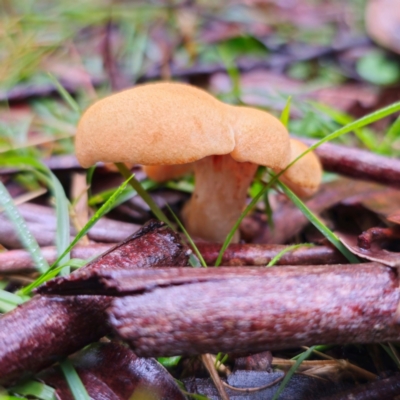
[{"x": 174, "y": 124}]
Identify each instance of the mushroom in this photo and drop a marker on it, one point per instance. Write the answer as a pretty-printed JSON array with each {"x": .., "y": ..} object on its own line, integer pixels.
[
  {"x": 174, "y": 124},
  {"x": 305, "y": 175}
]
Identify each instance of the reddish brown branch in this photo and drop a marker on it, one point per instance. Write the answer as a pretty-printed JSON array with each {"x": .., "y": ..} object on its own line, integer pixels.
[
  {"x": 194, "y": 311},
  {"x": 235, "y": 255},
  {"x": 388, "y": 388},
  {"x": 360, "y": 164},
  {"x": 113, "y": 371},
  {"x": 262, "y": 254},
  {"x": 41, "y": 222},
  {"x": 35, "y": 334}
]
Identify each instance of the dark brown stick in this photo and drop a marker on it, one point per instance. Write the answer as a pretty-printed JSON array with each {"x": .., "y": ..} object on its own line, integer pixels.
[
  {"x": 14, "y": 261},
  {"x": 113, "y": 368},
  {"x": 262, "y": 254},
  {"x": 41, "y": 221},
  {"x": 388, "y": 388},
  {"x": 360, "y": 164},
  {"x": 40, "y": 331},
  {"x": 194, "y": 311}
]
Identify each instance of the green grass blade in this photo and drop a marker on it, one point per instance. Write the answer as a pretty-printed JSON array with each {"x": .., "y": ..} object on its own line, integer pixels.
[
  {"x": 27, "y": 239},
  {"x": 64, "y": 94},
  {"x": 61, "y": 200},
  {"x": 291, "y": 371},
  {"x": 36, "y": 389},
  {"x": 319, "y": 224},
  {"x": 194, "y": 247},
  {"x": 102, "y": 210},
  {"x": 10, "y": 298},
  {"x": 74, "y": 382},
  {"x": 122, "y": 168},
  {"x": 352, "y": 126},
  {"x": 392, "y": 134},
  {"x": 286, "y": 250},
  {"x": 285, "y": 115},
  {"x": 169, "y": 362}
]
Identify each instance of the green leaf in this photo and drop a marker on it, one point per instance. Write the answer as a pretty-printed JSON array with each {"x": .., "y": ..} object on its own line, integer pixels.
[
  {"x": 376, "y": 68},
  {"x": 122, "y": 168},
  {"x": 286, "y": 250},
  {"x": 194, "y": 247},
  {"x": 27, "y": 239},
  {"x": 285, "y": 116},
  {"x": 74, "y": 382},
  {"x": 169, "y": 362},
  {"x": 64, "y": 94},
  {"x": 36, "y": 389},
  {"x": 291, "y": 371}
]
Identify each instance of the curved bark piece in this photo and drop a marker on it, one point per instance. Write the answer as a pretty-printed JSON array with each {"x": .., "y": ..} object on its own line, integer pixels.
[
  {"x": 40, "y": 331},
  {"x": 112, "y": 371}
]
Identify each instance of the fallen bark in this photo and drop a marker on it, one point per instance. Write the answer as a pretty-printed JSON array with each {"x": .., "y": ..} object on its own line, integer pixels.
[
  {"x": 235, "y": 255},
  {"x": 112, "y": 371},
  {"x": 388, "y": 388},
  {"x": 45, "y": 329},
  {"x": 356, "y": 163},
  {"x": 194, "y": 311}
]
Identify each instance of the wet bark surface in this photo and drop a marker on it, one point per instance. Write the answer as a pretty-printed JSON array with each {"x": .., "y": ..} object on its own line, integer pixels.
[
  {"x": 194, "y": 311},
  {"x": 44, "y": 329}
]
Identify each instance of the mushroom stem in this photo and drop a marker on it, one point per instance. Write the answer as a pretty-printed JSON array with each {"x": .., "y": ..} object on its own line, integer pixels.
[{"x": 219, "y": 197}]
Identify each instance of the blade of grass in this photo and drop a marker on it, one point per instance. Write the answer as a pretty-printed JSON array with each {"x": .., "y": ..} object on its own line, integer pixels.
[
  {"x": 36, "y": 389},
  {"x": 74, "y": 382},
  {"x": 290, "y": 373},
  {"x": 285, "y": 115},
  {"x": 102, "y": 210},
  {"x": 286, "y": 250},
  {"x": 392, "y": 134},
  {"x": 169, "y": 362},
  {"x": 122, "y": 168},
  {"x": 61, "y": 200},
  {"x": 27, "y": 239},
  {"x": 319, "y": 224},
  {"x": 194, "y": 247},
  {"x": 64, "y": 94}
]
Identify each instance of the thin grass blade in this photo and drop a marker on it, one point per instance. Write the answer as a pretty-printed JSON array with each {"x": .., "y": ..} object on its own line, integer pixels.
[
  {"x": 74, "y": 382},
  {"x": 27, "y": 239},
  {"x": 292, "y": 370},
  {"x": 319, "y": 224}
]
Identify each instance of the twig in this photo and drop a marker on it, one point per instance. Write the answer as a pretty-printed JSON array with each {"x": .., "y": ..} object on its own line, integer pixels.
[
  {"x": 356, "y": 163},
  {"x": 209, "y": 364},
  {"x": 188, "y": 311},
  {"x": 388, "y": 388},
  {"x": 13, "y": 261}
]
